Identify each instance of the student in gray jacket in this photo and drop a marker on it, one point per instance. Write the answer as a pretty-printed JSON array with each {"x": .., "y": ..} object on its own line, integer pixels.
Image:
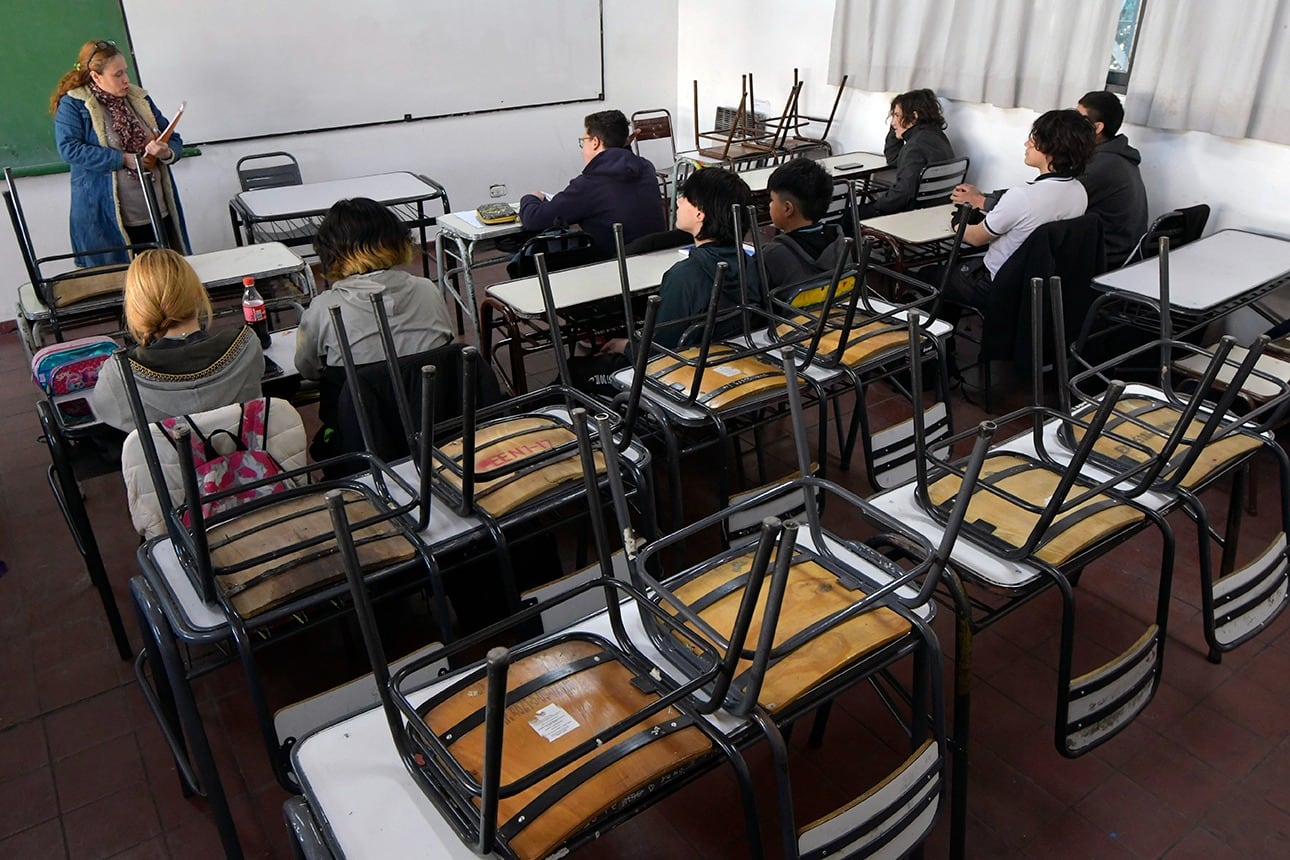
[
  {"x": 360, "y": 244},
  {"x": 179, "y": 367}
]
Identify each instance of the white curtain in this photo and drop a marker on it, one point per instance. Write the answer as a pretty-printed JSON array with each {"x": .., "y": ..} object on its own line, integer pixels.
[
  {"x": 1217, "y": 67},
  {"x": 1039, "y": 54}
]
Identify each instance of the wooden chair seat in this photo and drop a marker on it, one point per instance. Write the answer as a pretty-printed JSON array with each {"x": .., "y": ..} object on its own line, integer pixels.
[
  {"x": 1160, "y": 419},
  {"x": 558, "y": 697},
  {"x": 725, "y": 383},
  {"x": 813, "y": 594},
  {"x": 865, "y": 343},
  {"x": 514, "y": 440},
  {"x": 1075, "y": 528},
  {"x": 276, "y": 529},
  {"x": 87, "y": 283}
]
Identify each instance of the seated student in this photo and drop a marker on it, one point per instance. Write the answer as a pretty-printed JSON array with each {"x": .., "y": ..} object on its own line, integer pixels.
[
  {"x": 360, "y": 243},
  {"x": 1059, "y": 146},
  {"x": 916, "y": 139},
  {"x": 616, "y": 186},
  {"x": 179, "y": 367},
  {"x": 1112, "y": 179},
  {"x": 703, "y": 209},
  {"x": 800, "y": 192}
]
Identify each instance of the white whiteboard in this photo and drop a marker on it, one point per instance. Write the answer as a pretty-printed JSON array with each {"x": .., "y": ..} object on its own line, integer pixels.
[{"x": 251, "y": 68}]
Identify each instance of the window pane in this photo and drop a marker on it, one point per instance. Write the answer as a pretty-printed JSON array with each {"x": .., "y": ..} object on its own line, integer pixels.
[{"x": 1122, "y": 51}]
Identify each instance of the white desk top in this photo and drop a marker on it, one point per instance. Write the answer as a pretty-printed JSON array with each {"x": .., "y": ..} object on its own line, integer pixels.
[
  {"x": 1207, "y": 272},
  {"x": 318, "y": 197},
  {"x": 466, "y": 224},
  {"x": 214, "y": 269},
  {"x": 857, "y": 164},
  {"x": 917, "y": 226},
  {"x": 263, "y": 260},
  {"x": 572, "y": 287}
]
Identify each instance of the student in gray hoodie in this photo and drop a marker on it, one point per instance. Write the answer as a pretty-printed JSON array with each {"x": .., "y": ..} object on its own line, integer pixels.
[{"x": 360, "y": 243}]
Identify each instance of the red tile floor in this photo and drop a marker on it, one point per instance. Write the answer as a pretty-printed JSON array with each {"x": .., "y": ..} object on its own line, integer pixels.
[{"x": 84, "y": 772}]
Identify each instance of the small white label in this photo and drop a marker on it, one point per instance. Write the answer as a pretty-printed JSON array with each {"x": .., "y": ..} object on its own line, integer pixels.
[
  {"x": 727, "y": 370},
  {"x": 553, "y": 722}
]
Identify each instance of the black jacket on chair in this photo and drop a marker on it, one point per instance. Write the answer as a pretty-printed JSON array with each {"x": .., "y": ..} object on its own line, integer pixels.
[
  {"x": 1071, "y": 249},
  {"x": 389, "y": 442}
]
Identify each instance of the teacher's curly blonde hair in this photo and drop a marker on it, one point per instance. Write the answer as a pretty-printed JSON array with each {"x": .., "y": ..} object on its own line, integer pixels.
[{"x": 161, "y": 291}]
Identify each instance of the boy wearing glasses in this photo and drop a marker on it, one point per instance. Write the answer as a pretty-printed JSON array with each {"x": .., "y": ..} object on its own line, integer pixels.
[{"x": 615, "y": 186}]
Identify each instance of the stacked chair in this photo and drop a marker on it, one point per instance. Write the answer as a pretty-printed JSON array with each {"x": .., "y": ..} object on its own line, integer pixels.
[
  {"x": 1214, "y": 441},
  {"x": 1043, "y": 511},
  {"x": 850, "y": 337},
  {"x": 706, "y": 394},
  {"x": 71, "y": 297},
  {"x": 675, "y": 676}
]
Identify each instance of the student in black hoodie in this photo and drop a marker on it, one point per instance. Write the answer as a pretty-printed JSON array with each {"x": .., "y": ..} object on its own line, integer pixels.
[
  {"x": 703, "y": 209},
  {"x": 800, "y": 191},
  {"x": 916, "y": 139},
  {"x": 1112, "y": 179}
]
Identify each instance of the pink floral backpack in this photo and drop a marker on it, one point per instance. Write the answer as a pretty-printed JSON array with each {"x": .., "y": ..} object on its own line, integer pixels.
[{"x": 245, "y": 461}]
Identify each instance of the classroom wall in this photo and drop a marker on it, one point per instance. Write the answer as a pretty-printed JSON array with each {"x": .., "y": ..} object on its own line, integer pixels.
[
  {"x": 527, "y": 150},
  {"x": 1243, "y": 180}
]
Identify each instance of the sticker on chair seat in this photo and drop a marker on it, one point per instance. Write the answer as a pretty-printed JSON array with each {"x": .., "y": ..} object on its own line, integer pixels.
[
  {"x": 727, "y": 370},
  {"x": 553, "y": 722}
]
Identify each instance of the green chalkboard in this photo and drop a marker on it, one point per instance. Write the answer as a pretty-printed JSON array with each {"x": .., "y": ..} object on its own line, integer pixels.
[{"x": 38, "y": 41}]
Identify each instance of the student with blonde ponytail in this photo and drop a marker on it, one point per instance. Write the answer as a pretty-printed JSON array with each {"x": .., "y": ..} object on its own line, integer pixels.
[
  {"x": 104, "y": 126},
  {"x": 180, "y": 368}
]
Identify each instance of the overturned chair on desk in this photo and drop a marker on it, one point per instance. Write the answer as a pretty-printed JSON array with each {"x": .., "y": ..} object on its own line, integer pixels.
[
  {"x": 706, "y": 395},
  {"x": 712, "y": 674},
  {"x": 1040, "y": 515},
  {"x": 505, "y": 467},
  {"x": 849, "y": 337},
  {"x": 1194, "y": 412},
  {"x": 248, "y": 558},
  {"x": 51, "y": 302}
]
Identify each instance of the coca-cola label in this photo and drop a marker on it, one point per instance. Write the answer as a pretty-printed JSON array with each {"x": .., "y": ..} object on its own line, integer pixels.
[{"x": 254, "y": 312}]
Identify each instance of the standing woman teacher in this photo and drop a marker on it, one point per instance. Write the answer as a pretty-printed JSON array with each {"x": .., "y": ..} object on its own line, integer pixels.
[{"x": 104, "y": 126}]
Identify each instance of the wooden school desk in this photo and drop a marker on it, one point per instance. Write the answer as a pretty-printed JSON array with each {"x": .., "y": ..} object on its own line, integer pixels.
[
  {"x": 518, "y": 301},
  {"x": 461, "y": 236},
  {"x": 292, "y": 212}
]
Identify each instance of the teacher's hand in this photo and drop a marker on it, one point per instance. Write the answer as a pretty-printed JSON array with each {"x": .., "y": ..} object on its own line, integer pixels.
[{"x": 158, "y": 150}]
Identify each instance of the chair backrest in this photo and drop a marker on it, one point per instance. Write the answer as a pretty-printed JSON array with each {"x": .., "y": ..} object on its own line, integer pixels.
[
  {"x": 653, "y": 128},
  {"x": 1179, "y": 226},
  {"x": 564, "y": 247},
  {"x": 389, "y": 439},
  {"x": 1071, "y": 249},
  {"x": 283, "y": 169},
  {"x": 937, "y": 180}
]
